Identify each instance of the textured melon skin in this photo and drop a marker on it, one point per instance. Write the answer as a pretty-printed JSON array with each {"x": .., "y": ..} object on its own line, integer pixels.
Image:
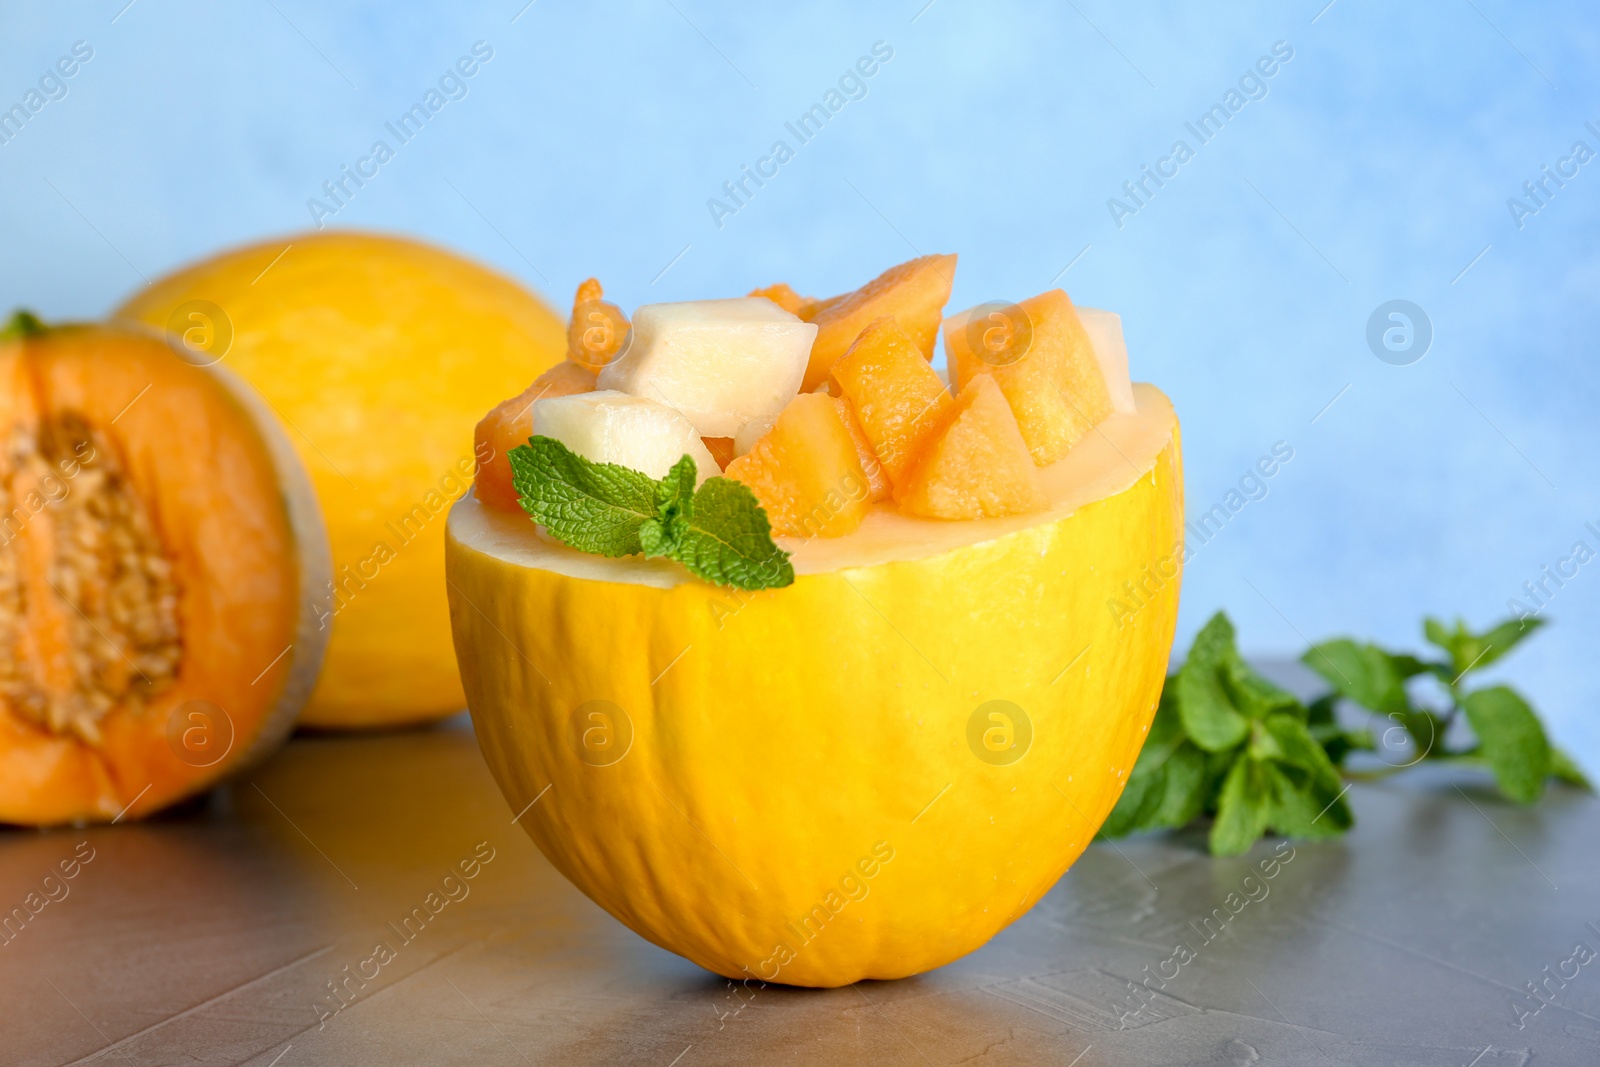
[
  {"x": 378, "y": 354},
  {"x": 784, "y": 743}
]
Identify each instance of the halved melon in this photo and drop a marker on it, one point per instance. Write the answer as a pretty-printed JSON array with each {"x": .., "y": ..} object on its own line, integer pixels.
[
  {"x": 866, "y": 774},
  {"x": 378, "y": 354},
  {"x": 977, "y": 466},
  {"x": 805, "y": 471},
  {"x": 1053, "y": 379},
  {"x": 914, "y": 292},
  {"x": 897, "y": 397},
  {"x": 164, "y": 576}
]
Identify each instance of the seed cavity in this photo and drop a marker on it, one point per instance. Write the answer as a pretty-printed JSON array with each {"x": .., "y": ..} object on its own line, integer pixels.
[{"x": 88, "y": 598}]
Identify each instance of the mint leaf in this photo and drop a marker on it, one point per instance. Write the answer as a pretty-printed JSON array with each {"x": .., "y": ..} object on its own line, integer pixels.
[
  {"x": 1365, "y": 674},
  {"x": 1303, "y": 806},
  {"x": 729, "y": 541},
  {"x": 1511, "y": 741},
  {"x": 1243, "y": 808},
  {"x": 1469, "y": 651},
  {"x": 718, "y": 532},
  {"x": 594, "y": 507},
  {"x": 1205, "y": 702},
  {"x": 1563, "y": 768},
  {"x": 663, "y": 535},
  {"x": 1137, "y": 806},
  {"x": 1186, "y": 788},
  {"x": 23, "y": 323},
  {"x": 1142, "y": 797}
]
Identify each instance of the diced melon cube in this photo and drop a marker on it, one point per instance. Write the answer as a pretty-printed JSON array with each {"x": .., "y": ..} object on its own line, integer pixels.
[
  {"x": 719, "y": 362},
  {"x": 1111, "y": 351},
  {"x": 979, "y": 466},
  {"x": 897, "y": 397},
  {"x": 750, "y": 433},
  {"x": 1050, "y": 375},
  {"x": 913, "y": 292},
  {"x": 632, "y": 431},
  {"x": 871, "y": 465},
  {"x": 805, "y": 471},
  {"x": 721, "y": 449},
  {"x": 510, "y": 423}
]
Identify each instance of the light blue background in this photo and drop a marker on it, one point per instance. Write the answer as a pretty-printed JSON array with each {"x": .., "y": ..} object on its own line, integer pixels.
[{"x": 1378, "y": 167}]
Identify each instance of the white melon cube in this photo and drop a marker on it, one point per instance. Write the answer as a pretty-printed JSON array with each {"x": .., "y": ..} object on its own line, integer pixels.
[
  {"x": 1111, "y": 352},
  {"x": 632, "y": 431},
  {"x": 750, "y": 433},
  {"x": 720, "y": 362}
]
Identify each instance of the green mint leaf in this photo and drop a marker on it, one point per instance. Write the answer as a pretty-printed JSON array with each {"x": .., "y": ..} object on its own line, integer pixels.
[
  {"x": 1563, "y": 768},
  {"x": 663, "y": 535},
  {"x": 1302, "y": 806},
  {"x": 1205, "y": 700},
  {"x": 1142, "y": 797},
  {"x": 1338, "y": 742},
  {"x": 1409, "y": 666},
  {"x": 1365, "y": 674},
  {"x": 1511, "y": 741},
  {"x": 1243, "y": 808},
  {"x": 1188, "y": 786},
  {"x": 1300, "y": 749},
  {"x": 1136, "y": 807},
  {"x": 1469, "y": 651},
  {"x": 594, "y": 507},
  {"x": 728, "y": 540},
  {"x": 1427, "y": 732},
  {"x": 23, "y": 323},
  {"x": 1257, "y": 698},
  {"x": 1502, "y": 638}
]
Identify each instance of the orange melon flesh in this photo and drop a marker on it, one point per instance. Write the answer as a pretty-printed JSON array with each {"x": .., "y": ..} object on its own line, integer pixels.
[
  {"x": 897, "y": 397},
  {"x": 878, "y": 487},
  {"x": 1055, "y": 385},
  {"x": 597, "y": 330},
  {"x": 721, "y": 449},
  {"x": 784, "y": 297},
  {"x": 805, "y": 471},
  {"x": 979, "y": 466},
  {"x": 164, "y": 576},
  {"x": 509, "y": 424},
  {"x": 914, "y": 292}
]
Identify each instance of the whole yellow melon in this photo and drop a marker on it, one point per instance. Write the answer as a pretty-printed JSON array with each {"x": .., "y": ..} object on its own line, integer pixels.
[
  {"x": 865, "y": 774},
  {"x": 378, "y": 354}
]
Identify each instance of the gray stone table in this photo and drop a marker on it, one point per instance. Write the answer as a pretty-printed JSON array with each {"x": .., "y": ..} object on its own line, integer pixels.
[{"x": 211, "y": 936}]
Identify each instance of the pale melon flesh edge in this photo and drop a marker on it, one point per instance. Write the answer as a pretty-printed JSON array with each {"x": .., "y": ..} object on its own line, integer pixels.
[{"x": 1119, "y": 451}]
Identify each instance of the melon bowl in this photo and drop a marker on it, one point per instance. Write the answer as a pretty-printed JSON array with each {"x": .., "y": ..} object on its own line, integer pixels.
[{"x": 866, "y": 774}]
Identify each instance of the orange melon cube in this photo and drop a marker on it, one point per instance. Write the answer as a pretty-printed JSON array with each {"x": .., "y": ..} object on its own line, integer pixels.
[
  {"x": 721, "y": 449},
  {"x": 897, "y": 397},
  {"x": 877, "y": 478},
  {"x": 979, "y": 467},
  {"x": 914, "y": 292},
  {"x": 598, "y": 328},
  {"x": 1044, "y": 363},
  {"x": 784, "y": 297},
  {"x": 509, "y": 425},
  {"x": 805, "y": 471}
]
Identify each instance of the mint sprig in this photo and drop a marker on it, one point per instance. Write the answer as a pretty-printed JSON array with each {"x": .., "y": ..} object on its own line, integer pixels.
[
  {"x": 718, "y": 531},
  {"x": 1507, "y": 736},
  {"x": 1228, "y": 744}
]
